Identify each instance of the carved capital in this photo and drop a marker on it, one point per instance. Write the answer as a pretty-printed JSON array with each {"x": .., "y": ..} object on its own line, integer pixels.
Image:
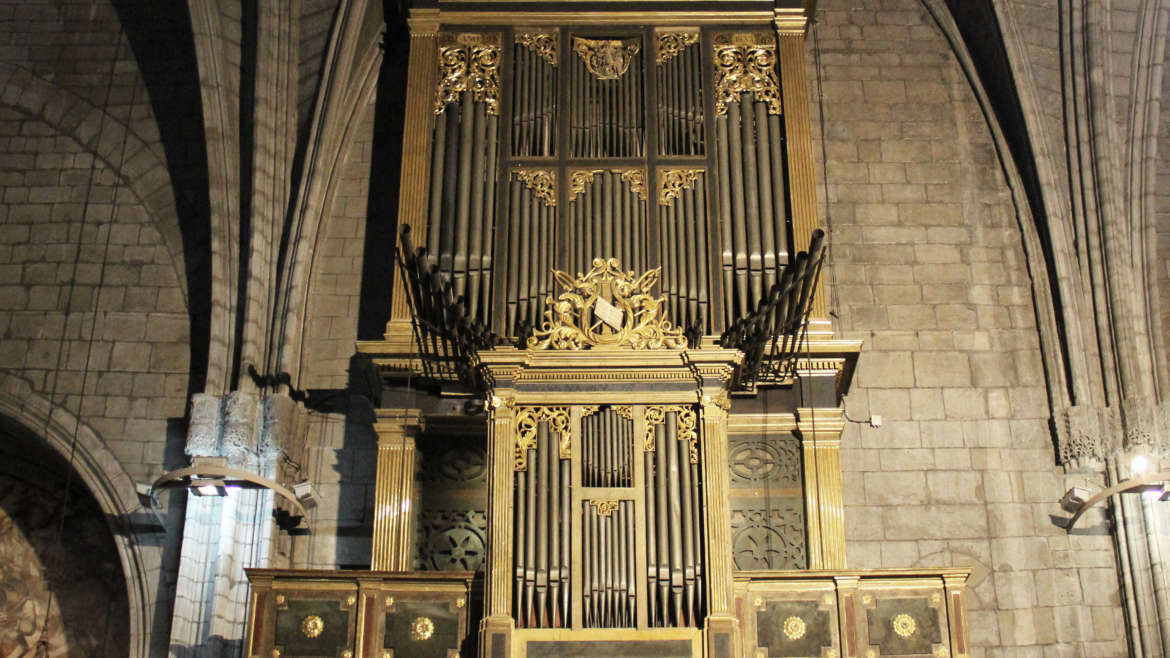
[
  {"x": 745, "y": 62},
  {"x": 469, "y": 62}
]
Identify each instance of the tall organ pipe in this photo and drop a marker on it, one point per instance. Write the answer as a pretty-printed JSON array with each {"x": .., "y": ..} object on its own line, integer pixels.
[
  {"x": 542, "y": 525},
  {"x": 462, "y": 199},
  {"x": 752, "y": 200},
  {"x": 683, "y": 232}
]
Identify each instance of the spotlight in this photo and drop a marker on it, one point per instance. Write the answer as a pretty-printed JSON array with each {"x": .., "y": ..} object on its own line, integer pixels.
[
  {"x": 1074, "y": 499},
  {"x": 212, "y": 487},
  {"x": 307, "y": 494}
]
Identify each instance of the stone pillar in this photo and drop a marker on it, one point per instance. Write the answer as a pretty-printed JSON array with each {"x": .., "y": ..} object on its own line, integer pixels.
[
  {"x": 820, "y": 433},
  {"x": 394, "y": 488},
  {"x": 722, "y": 622},
  {"x": 416, "y": 157},
  {"x": 223, "y": 535},
  {"x": 497, "y": 625}
]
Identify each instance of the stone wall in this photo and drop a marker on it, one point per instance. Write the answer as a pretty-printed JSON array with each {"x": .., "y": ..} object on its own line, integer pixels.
[{"x": 926, "y": 266}]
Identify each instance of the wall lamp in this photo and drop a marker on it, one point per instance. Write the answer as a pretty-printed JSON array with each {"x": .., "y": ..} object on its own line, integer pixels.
[
  {"x": 210, "y": 476},
  {"x": 1077, "y": 501}
]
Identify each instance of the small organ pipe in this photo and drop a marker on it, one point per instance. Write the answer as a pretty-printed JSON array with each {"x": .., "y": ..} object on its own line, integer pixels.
[
  {"x": 462, "y": 201},
  {"x": 530, "y": 545},
  {"x": 764, "y": 171},
  {"x": 489, "y": 203},
  {"x": 663, "y": 518},
  {"x": 475, "y": 227},
  {"x": 514, "y": 231},
  {"x": 542, "y": 524},
  {"x": 688, "y": 544},
  {"x": 520, "y": 542},
  {"x": 752, "y": 197},
  {"x": 675, "y": 515},
  {"x": 554, "y": 535},
  {"x": 651, "y": 537}
]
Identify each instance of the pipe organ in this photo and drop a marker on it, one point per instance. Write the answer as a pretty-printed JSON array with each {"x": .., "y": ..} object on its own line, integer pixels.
[
  {"x": 610, "y": 359},
  {"x": 658, "y": 145}
]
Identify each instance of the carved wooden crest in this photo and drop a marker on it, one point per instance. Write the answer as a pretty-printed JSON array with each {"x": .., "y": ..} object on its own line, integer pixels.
[
  {"x": 607, "y": 59},
  {"x": 606, "y": 308}
]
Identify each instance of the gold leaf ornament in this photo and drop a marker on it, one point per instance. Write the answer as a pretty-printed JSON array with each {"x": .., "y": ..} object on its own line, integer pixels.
[
  {"x": 794, "y": 628},
  {"x": 312, "y": 626},
  {"x": 544, "y": 44},
  {"x": 421, "y": 629},
  {"x": 746, "y": 63},
  {"x": 571, "y": 321},
  {"x": 527, "y": 420},
  {"x": 669, "y": 45},
  {"x": 469, "y": 62},
  {"x": 606, "y": 59},
  {"x": 904, "y": 625}
]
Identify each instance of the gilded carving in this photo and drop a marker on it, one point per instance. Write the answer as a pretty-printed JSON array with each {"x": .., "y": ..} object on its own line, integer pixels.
[
  {"x": 606, "y": 59},
  {"x": 687, "y": 421},
  {"x": 542, "y": 182},
  {"x": 674, "y": 181},
  {"x": 636, "y": 179},
  {"x": 527, "y": 420},
  {"x": 746, "y": 62},
  {"x": 312, "y": 626},
  {"x": 625, "y": 411},
  {"x": 579, "y": 180},
  {"x": 469, "y": 62},
  {"x": 544, "y": 44},
  {"x": 794, "y": 628},
  {"x": 604, "y": 507},
  {"x": 606, "y": 308},
  {"x": 904, "y": 625},
  {"x": 668, "y": 45},
  {"x": 421, "y": 629}
]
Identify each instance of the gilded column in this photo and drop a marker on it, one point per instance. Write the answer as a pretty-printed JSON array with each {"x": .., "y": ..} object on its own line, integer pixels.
[
  {"x": 790, "y": 30},
  {"x": 953, "y": 586},
  {"x": 820, "y": 432},
  {"x": 722, "y": 624},
  {"x": 416, "y": 155},
  {"x": 497, "y": 623},
  {"x": 394, "y": 488}
]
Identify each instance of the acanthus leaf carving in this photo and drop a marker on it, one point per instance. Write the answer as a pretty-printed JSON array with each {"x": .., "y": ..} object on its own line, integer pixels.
[
  {"x": 541, "y": 182},
  {"x": 669, "y": 45},
  {"x": 544, "y": 44},
  {"x": 746, "y": 62},
  {"x": 469, "y": 62}
]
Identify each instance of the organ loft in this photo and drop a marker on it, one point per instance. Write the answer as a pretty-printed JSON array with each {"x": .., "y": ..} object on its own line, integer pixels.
[{"x": 610, "y": 394}]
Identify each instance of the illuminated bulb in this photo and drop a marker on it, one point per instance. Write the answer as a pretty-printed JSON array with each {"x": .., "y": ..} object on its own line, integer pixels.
[
  {"x": 208, "y": 490},
  {"x": 1139, "y": 464}
]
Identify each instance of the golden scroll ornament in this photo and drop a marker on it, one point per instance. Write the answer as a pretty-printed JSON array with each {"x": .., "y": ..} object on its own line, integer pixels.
[
  {"x": 579, "y": 180},
  {"x": 604, "y": 507},
  {"x": 668, "y": 45},
  {"x": 527, "y": 420},
  {"x": 904, "y": 625},
  {"x": 794, "y": 628},
  {"x": 746, "y": 62},
  {"x": 544, "y": 44},
  {"x": 636, "y": 179},
  {"x": 541, "y": 182},
  {"x": 312, "y": 626},
  {"x": 606, "y": 59},
  {"x": 581, "y": 317},
  {"x": 674, "y": 181},
  {"x": 421, "y": 629},
  {"x": 687, "y": 421},
  {"x": 469, "y": 62}
]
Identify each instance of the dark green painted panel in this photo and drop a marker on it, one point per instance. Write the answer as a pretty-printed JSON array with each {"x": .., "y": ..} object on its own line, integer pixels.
[
  {"x": 926, "y": 632},
  {"x": 399, "y": 622},
  {"x": 770, "y": 628},
  {"x": 293, "y": 642}
]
